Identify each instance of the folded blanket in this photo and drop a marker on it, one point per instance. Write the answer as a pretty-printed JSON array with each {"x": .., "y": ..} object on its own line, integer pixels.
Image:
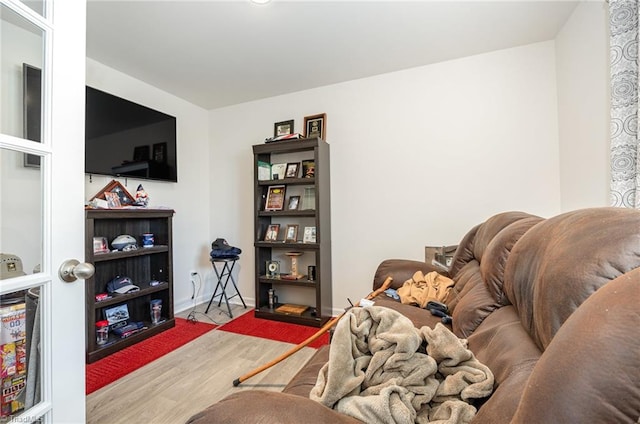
[{"x": 379, "y": 371}]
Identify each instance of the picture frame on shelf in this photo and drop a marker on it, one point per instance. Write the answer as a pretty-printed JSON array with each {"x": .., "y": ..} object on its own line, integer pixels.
[
  {"x": 315, "y": 126},
  {"x": 123, "y": 196},
  {"x": 272, "y": 232},
  {"x": 308, "y": 168},
  {"x": 275, "y": 198},
  {"x": 100, "y": 245},
  {"x": 309, "y": 235},
  {"x": 291, "y": 236},
  {"x": 278, "y": 171},
  {"x": 294, "y": 203},
  {"x": 292, "y": 170},
  {"x": 283, "y": 128}
]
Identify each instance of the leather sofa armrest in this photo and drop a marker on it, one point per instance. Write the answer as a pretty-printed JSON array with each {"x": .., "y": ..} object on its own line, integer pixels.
[
  {"x": 401, "y": 270},
  {"x": 266, "y": 407}
]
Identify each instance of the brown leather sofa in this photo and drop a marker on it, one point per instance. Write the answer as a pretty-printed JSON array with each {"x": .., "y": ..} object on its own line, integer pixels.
[{"x": 551, "y": 306}]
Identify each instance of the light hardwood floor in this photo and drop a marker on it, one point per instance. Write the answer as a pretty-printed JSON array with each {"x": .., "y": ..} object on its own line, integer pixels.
[{"x": 174, "y": 387}]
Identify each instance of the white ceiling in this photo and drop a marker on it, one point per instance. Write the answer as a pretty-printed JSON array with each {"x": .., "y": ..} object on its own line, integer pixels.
[{"x": 220, "y": 53}]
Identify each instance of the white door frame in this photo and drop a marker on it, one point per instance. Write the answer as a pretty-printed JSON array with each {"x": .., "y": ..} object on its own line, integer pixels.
[{"x": 62, "y": 169}]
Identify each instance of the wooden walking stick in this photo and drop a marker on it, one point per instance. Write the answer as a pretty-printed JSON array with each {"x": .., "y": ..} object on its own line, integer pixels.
[{"x": 320, "y": 332}]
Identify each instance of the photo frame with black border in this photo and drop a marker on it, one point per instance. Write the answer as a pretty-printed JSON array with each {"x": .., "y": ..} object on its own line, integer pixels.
[
  {"x": 294, "y": 203},
  {"x": 315, "y": 126},
  {"x": 272, "y": 232},
  {"x": 283, "y": 128},
  {"x": 291, "y": 235},
  {"x": 292, "y": 170}
]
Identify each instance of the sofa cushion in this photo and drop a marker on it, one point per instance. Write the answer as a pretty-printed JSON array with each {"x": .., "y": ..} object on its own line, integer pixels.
[
  {"x": 590, "y": 372},
  {"x": 563, "y": 260},
  {"x": 497, "y": 253},
  {"x": 491, "y": 227},
  {"x": 478, "y": 269},
  {"x": 302, "y": 383},
  {"x": 266, "y": 407},
  {"x": 503, "y": 345}
]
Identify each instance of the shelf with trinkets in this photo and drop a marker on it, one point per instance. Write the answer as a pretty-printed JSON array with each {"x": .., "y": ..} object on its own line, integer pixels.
[{"x": 292, "y": 221}]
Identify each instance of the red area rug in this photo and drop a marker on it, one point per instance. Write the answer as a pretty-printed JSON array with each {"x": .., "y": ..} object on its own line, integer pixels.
[
  {"x": 125, "y": 361},
  {"x": 247, "y": 324}
]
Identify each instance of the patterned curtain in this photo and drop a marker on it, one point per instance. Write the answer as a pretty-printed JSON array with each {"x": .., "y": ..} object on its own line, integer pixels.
[{"x": 625, "y": 149}]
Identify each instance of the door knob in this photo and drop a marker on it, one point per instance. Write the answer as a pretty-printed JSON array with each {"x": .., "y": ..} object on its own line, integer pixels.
[{"x": 72, "y": 269}]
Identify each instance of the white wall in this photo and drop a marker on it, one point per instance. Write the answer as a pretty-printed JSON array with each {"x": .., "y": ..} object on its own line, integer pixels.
[
  {"x": 582, "y": 55},
  {"x": 417, "y": 157},
  {"x": 189, "y": 196}
]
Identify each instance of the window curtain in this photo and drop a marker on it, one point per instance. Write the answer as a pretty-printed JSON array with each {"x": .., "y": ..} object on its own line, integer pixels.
[{"x": 625, "y": 155}]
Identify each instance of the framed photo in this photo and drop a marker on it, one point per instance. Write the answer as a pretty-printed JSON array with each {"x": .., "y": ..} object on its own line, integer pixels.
[
  {"x": 308, "y": 169},
  {"x": 315, "y": 126},
  {"x": 272, "y": 232},
  {"x": 292, "y": 233},
  {"x": 294, "y": 203},
  {"x": 278, "y": 170},
  {"x": 283, "y": 128},
  {"x": 275, "y": 198},
  {"x": 100, "y": 245},
  {"x": 123, "y": 196},
  {"x": 309, "y": 235},
  {"x": 292, "y": 170}
]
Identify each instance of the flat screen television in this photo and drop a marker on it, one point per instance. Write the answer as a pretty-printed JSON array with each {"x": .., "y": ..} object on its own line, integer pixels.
[
  {"x": 122, "y": 138},
  {"x": 126, "y": 139}
]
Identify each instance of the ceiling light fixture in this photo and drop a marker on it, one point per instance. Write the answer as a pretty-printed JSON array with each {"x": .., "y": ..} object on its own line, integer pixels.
[{"x": 260, "y": 1}]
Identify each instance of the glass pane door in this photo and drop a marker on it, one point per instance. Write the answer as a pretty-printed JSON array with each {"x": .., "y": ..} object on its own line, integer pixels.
[{"x": 22, "y": 282}]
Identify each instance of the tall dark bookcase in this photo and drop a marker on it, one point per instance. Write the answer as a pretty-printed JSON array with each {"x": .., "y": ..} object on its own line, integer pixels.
[{"x": 313, "y": 211}]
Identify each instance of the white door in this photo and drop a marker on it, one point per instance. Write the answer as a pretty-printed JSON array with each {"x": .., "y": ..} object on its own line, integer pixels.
[{"x": 42, "y": 50}]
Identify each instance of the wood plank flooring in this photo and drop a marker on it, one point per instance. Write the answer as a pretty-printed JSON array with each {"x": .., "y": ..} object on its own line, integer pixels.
[{"x": 174, "y": 387}]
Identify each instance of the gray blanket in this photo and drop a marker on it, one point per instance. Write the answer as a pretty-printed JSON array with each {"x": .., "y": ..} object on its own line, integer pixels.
[{"x": 378, "y": 371}]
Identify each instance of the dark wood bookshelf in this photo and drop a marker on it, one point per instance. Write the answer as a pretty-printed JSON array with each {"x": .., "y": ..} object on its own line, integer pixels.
[
  {"x": 319, "y": 253},
  {"x": 141, "y": 265}
]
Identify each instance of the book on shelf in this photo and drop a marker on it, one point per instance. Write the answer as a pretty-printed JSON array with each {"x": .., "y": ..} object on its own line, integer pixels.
[{"x": 291, "y": 277}]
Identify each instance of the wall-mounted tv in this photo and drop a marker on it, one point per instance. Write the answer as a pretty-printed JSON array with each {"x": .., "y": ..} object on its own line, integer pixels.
[
  {"x": 122, "y": 138},
  {"x": 126, "y": 139}
]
